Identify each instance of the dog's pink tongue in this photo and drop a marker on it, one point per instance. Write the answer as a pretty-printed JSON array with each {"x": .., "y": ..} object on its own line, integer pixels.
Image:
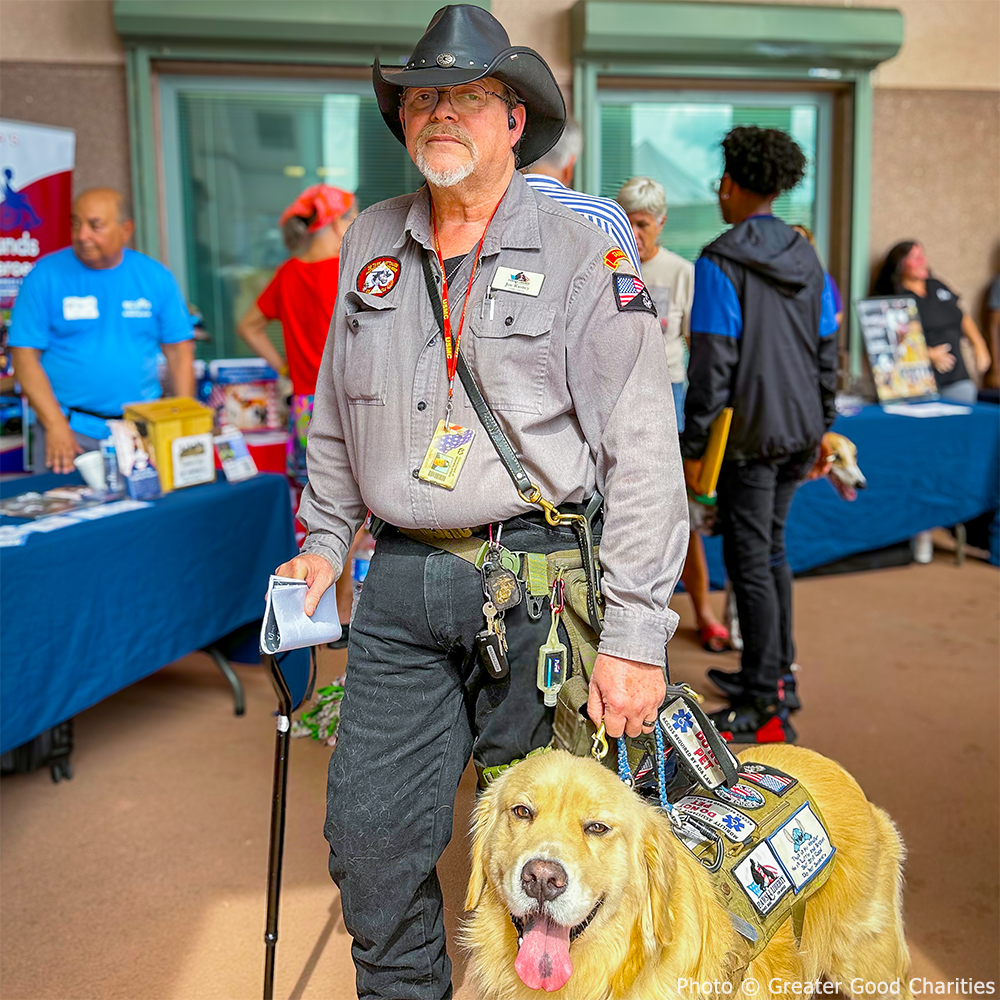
[{"x": 543, "y": 961}]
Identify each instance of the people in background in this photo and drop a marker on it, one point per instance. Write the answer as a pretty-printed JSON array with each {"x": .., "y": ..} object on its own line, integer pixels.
[
  {"x": 831, "y": 284},
  {"x": 301, "y": 295},
  {"x": 88, "y": 326},
  {"x": 905, "y": 272},
  {"x": 552, "y": 175},
  {"x": 670, "y": 280},
  {"x": 762, "y": 342}
]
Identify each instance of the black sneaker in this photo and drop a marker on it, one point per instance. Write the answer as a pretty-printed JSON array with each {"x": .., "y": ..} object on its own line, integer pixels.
[
  {"x": 730, "y": 684},
  {"x": 754, "y": 721}
]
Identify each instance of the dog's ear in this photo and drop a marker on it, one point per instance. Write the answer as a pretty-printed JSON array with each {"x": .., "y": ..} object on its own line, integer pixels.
[
  {"x": 661, "y": 867},
  {"x": 483, "y": 821}
]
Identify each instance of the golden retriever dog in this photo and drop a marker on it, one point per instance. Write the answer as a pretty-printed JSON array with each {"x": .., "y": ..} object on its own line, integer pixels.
[{"x": 580, "y": 888}]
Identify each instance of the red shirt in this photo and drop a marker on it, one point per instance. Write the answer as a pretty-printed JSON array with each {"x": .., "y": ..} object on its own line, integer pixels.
[{"x": 302, "y": 297}]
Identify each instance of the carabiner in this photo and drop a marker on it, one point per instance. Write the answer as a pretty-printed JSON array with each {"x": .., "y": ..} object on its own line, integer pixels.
[{"x": 600, "y": 748}]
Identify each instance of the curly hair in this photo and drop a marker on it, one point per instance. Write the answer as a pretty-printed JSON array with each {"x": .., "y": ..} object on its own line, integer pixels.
[{"x": 765, "y": 161}]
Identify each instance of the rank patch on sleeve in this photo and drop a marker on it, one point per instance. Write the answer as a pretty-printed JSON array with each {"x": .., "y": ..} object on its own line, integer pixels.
[
  {"x": 614, "y": 257},
  {"x": 378, "y": 276},
  {"x": 631, "y": 295}
]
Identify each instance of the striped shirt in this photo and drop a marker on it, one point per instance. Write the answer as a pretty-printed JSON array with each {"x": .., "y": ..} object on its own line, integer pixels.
[{"x": 603, "y": 212}]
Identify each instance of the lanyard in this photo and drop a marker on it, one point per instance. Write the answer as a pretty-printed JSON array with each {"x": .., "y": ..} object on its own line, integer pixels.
[{"x": 453, "y": 341}]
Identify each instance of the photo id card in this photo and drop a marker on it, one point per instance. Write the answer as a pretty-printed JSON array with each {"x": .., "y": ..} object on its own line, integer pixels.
[{"x": 446, "y": 455}]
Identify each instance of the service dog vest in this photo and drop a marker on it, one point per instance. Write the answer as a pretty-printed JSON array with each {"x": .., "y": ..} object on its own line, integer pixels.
[{"x": 766, "y": 848}]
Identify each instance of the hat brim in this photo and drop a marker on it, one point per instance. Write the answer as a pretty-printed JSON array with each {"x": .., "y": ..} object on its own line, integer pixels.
[{"x": 521, "y": 68}]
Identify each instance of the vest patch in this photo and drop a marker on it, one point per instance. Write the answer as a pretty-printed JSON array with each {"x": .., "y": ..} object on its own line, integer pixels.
[{"x": 762, "y": 878}]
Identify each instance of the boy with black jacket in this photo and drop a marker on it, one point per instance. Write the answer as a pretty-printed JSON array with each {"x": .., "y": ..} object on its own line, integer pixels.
[{"x": 762, "y": 342}]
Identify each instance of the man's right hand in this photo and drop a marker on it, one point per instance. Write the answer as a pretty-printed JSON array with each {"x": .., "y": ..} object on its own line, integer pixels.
[
  {"x": 315, "y": 570},
  {"x": 61, "y": 448}
]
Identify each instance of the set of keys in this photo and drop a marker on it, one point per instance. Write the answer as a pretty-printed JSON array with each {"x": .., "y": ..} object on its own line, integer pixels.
[{"x": 502, "y": 590}]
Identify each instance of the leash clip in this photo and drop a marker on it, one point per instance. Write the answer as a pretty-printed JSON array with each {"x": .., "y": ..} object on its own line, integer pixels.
[{"x": 600, "y": 748}]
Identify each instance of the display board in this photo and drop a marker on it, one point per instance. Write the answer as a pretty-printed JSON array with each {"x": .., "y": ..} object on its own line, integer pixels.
[{"x": 894, "y": 338}]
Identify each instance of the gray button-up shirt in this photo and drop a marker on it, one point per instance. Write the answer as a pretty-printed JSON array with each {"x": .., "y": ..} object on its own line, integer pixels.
[{"x": 581, "y": 388}]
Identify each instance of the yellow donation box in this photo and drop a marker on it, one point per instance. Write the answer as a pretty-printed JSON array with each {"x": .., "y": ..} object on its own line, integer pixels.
[{"x": 178, "y": 434}]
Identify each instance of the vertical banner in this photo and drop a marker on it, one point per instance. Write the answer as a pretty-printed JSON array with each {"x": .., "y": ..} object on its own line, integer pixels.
[{"x": 36, "y": 186}]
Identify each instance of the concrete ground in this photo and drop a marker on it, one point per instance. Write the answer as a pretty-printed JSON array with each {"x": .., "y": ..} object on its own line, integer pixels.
[{"x": 144, "y": 876}]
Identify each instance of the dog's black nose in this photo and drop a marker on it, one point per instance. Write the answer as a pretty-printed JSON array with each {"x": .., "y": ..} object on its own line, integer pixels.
[{"x": 543, "y": 880}]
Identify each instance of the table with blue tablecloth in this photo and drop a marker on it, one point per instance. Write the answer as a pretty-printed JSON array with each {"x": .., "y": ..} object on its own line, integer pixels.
[
  {"x": 89, "y": 609},
  {"x": 922, "y": 472}
]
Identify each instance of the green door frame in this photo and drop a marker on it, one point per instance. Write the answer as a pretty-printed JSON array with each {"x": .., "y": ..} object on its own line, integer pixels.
[{"x": 746, "y": 43}]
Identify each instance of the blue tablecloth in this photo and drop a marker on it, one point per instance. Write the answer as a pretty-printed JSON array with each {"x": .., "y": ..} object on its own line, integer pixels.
[
  {"x": 89, "y": 609},
  {"x": 922, "y": 472}
]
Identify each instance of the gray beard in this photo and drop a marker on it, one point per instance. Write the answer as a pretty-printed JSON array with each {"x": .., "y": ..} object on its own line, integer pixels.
[{"x": 447, "y": 178}]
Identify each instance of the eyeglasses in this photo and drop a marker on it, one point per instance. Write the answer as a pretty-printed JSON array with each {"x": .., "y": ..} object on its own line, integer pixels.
[{"x": 469, "y": 99}]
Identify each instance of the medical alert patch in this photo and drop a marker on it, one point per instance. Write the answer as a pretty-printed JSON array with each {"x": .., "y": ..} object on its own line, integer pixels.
[
  {"x": 741, "y": 796},
  {"x": 513, "y": 279},
  {"x": 80, "y": 307},
  {"x": 378, "y": 276},
  {"x": 767, "y": 777},
  {"x": 614, "y": 257},
  {"x": 631, "y": 295},
  {"x": 734, "y": 825},
  {"x": 683, "y": 731},
  {"x": 762, "y": 878},
  {"x": 802, "y": 845}
]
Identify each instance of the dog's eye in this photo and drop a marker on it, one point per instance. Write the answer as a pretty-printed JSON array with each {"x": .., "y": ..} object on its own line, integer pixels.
[
  {"x": 522, "y": 812},
  {"x": 597, "y": 829}
]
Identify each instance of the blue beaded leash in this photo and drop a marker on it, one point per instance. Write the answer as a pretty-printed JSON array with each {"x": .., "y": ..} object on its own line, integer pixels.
[{"x": 625, "y": 772}]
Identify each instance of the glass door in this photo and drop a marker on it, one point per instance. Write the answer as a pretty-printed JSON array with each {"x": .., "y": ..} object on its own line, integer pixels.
[
  {"x": 673, "y": 136},
  {"x": 236, "y": 152}
]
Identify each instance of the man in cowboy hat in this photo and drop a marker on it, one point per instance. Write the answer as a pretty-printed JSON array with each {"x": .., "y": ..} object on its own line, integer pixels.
[{"x": 562, "y": 338}]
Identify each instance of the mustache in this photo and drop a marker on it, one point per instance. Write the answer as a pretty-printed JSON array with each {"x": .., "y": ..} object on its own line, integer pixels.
[{"x": 431, "y": 129}]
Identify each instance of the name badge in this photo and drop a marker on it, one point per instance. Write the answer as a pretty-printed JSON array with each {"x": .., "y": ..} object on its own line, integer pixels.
[
  {"x": 511, "y": 279},
  {"x": 80, "y": 307}
]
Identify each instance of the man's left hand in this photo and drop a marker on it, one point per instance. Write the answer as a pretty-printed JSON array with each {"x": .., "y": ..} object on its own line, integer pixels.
[{"x": 625, "y": 694}]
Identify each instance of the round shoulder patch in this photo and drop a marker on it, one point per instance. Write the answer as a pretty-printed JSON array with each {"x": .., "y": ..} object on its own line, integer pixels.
[
  {"x": 614, "y": 257},
  {"x": 943, "y": 294},
  {"x": 378, "y": 276}
]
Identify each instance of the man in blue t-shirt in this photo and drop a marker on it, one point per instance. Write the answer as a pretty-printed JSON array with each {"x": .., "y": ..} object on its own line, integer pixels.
[{"x": 87, "y": 327}]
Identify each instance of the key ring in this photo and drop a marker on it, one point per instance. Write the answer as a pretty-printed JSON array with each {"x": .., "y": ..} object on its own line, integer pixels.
[
  {"x": 600, "y": 748},
  {"x": 558, "y": 588}
]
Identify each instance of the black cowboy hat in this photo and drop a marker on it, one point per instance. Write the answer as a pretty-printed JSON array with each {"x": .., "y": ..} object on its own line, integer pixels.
[{"x": 462, "y": 44}]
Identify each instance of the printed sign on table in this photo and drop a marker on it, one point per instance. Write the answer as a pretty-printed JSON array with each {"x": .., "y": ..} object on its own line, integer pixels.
[
  {"x": 897, "y": 351},
  {"x": 36, "y": 183}
]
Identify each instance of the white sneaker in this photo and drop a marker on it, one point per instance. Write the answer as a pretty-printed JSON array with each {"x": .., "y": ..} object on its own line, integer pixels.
[{"x": 923, "y": 547}]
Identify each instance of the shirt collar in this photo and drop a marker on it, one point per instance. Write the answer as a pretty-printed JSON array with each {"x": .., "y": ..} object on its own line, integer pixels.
[
  {"x": 544, "y": 180},
  {"x": 515, "y": 224}
]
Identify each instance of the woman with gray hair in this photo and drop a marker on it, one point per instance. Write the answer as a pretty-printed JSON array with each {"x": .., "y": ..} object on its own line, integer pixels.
[{"x": 669, "y": 279}]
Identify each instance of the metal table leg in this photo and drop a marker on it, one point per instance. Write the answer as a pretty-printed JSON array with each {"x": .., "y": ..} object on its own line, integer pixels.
[{"x": 234, "y": 682}]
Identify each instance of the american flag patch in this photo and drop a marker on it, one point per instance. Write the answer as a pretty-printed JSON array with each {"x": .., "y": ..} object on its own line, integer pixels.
[
  {"x": 630, "y": 294},
  {"x": 455, "y": 440}
]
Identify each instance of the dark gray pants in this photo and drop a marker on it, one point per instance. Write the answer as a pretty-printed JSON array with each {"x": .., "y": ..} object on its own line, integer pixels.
[{"x": 417, "y": 706}]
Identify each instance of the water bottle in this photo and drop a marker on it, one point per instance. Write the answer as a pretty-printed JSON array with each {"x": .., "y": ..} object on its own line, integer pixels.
[
  {"x": 359, "y": 567},
  {"x": 112, "y": 476}
]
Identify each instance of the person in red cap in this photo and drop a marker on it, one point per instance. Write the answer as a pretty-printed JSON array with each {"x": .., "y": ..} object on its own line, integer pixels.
[{"x": 301, "y": 296}]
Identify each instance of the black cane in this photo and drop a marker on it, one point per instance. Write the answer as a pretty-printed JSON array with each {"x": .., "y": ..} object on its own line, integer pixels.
[{"x": 277, "y": 819}]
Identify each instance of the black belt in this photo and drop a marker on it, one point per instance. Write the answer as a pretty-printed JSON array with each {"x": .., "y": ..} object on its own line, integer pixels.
[{"x": 534, "y": 517}]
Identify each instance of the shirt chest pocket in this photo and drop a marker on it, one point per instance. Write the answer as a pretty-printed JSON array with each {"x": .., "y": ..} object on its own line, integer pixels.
[
  {"x": 511, "y": 353},
  {"x": 366, "y": 367}
]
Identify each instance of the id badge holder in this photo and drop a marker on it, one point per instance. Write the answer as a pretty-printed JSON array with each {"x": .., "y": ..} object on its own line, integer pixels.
[{"x": 446, "y": 455}]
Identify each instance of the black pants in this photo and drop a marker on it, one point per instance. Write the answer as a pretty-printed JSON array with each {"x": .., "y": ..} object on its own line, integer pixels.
[
  {"x": 754, "y": 499},
  {"x": 416, "y": 707}
]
